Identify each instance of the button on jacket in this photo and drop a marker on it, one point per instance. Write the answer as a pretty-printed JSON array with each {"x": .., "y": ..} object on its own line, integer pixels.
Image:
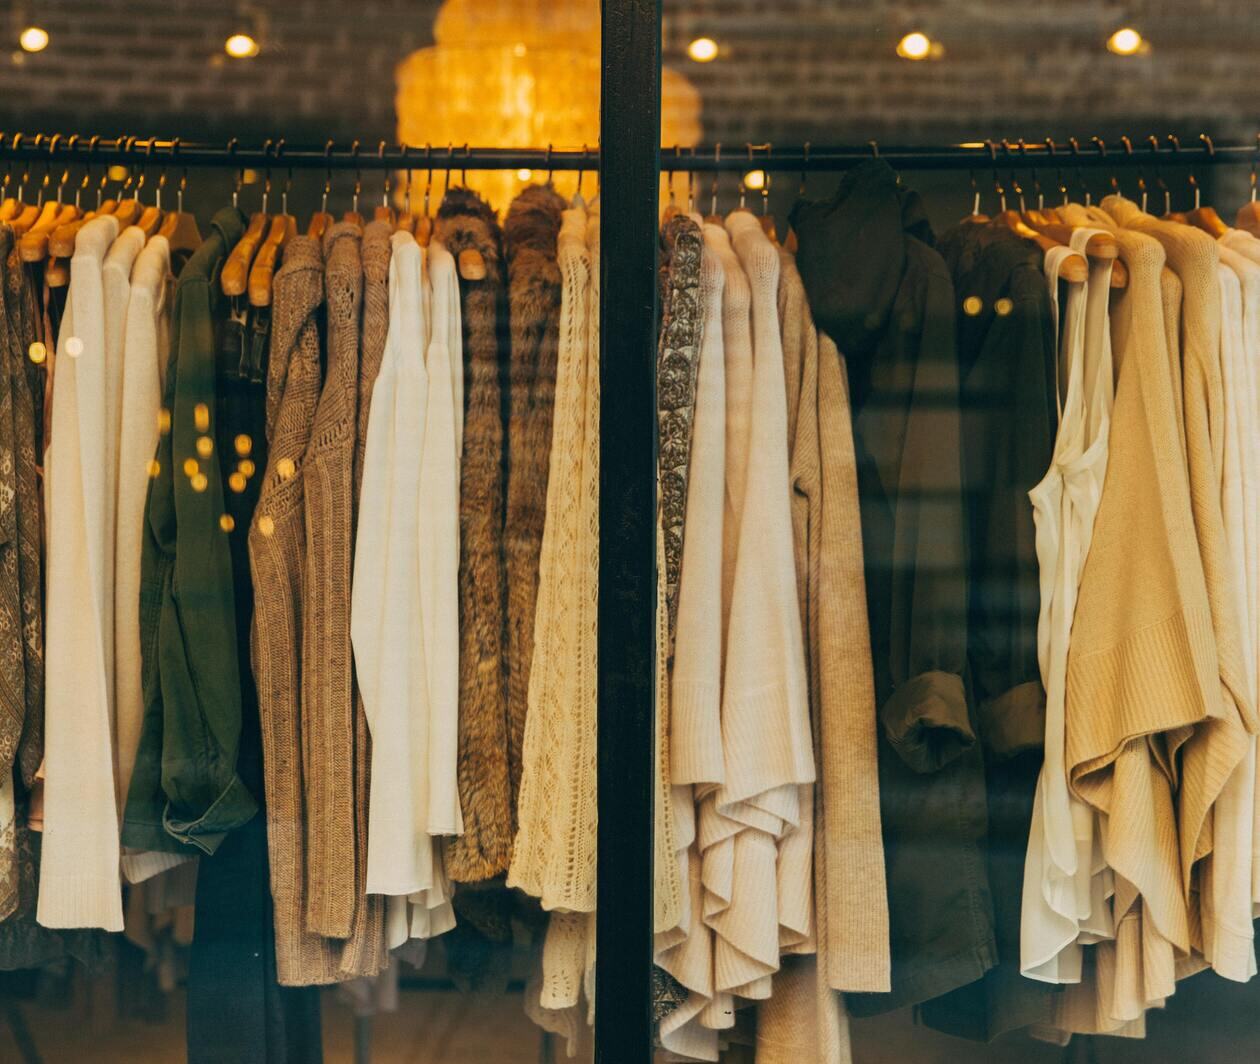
[{"x": 185, "y": 790}]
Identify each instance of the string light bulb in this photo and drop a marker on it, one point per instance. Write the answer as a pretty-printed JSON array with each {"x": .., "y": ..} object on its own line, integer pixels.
[
  {"x": 915, "y": 46},
  {"x": 33, "y": 39},
  {"x": 241, "y": 46},
  {"x": 703, "y": 50},
  {"x": 1127, "y": 41}
]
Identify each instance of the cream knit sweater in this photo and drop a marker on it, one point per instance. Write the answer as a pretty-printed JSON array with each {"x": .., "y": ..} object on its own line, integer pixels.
[
  {"x": 79, "y": 875},
  {"x": 554, "y": 856}
]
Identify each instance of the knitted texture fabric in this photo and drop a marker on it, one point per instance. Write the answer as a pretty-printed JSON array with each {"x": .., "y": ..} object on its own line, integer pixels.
[
  {"x": 277, "y": 552},
  {"x": 327, "y": 680},
  {"x": 13, "y": 672},
  {"x": 466, "y": 222},
  {"x": 530, "y": 232},
  {"x": 554, "y": 855},
  {"x": 365, "y": 951},
  {"x": 20, "y": 327},
  {"x": 678, "y": 361}
]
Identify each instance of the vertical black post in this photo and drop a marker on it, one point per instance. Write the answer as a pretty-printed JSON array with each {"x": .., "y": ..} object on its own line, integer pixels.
[{"x": 629, "y": 178}]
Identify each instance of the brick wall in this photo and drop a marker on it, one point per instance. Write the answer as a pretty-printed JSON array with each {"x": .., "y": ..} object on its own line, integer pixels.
[{"x": 791, "y": 70}]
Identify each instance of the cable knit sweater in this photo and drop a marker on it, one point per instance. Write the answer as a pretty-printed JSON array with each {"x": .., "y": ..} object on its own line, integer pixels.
[
  {"x": 327, "y": 685},
  {"x": 365, "y": 950},
  {"x": 529, "y": 235},
  {"x": 277, "y": 552},
  {"x": 465, "y": 222},
  {"x": 554, "y": 854}
]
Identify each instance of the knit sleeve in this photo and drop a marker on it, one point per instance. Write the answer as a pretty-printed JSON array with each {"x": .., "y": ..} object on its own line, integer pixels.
[{"x": 925, "y": 718}]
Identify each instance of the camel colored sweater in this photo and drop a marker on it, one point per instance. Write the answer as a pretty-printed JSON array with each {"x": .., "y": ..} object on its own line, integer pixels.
[
  {"x": 277, "y": 553},
  {"x": 1215, "y": 749}
]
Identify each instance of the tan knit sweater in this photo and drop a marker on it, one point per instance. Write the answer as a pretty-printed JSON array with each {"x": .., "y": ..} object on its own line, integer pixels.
[
  {"x": 1212, "y": 752},
  {"x": 277, "y": 552},
  {"x": 1143, "y": 647},
  {"x": 365, "y": 951},
  {"x": 327, "y": 686}
]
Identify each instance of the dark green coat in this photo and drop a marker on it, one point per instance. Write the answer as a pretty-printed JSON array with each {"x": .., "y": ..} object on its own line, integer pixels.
[
  {"x": 185, "y": 791},
  {"x": 882, "y": 293}
]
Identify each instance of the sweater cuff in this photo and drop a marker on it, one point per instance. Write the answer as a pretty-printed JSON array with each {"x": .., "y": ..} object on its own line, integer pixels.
[
  {"x": 926, "y": 722},
  {"x": 1015, "y": 721},
  {"x": 234, "y": 807}
]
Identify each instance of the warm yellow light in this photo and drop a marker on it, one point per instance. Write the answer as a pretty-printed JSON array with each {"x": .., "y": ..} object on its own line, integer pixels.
[
  {"x": 703, "y": 50},
  {"x": 914, "y": 46},
  {"x": 755, "y": 180},
  {"x": 1126, "y": 41},
  {"x": 525, "y": 174},
  {"x": 241, "y": 46},
  {"x": 33, "y": 39},
  {"x": 117, "y": 173}
]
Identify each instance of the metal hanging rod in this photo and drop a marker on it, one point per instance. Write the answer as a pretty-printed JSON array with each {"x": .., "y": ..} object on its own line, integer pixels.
[
  {"x": 333, "y": 155},
  {"x": 970, "y": 155}
]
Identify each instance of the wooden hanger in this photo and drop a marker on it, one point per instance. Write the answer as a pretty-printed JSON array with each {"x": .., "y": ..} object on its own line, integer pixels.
[
  {"x": 180, "y": 227},
  {"x": 1074, "y": 267},
  {"x": 33, "y": 247},
  {"x": 261, "y": 274},
  {"x": 1205, "y": 217},
  {"x": 234, "y": 277},
  {"x": 1248, "y": 216}
]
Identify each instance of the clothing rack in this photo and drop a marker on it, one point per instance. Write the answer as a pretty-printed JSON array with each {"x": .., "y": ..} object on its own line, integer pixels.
[
  {"x": 629, "y": 169},
  {"x": 276, "y": 154}
]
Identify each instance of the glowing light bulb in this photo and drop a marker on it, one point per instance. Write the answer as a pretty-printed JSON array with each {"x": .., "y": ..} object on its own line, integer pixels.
[
  {"x": 914, "y": 46},
  {"x": 1126, "y": 41},
  {"x": 703, "y": 50},
  {"x": 241, "y": 46},
  {"x": 755, "y": 180},
  {"x": 33, "y": 39}
]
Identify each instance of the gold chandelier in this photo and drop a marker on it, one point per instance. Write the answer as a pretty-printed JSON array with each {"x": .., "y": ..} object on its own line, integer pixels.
[{"x": 519, "y": 73}]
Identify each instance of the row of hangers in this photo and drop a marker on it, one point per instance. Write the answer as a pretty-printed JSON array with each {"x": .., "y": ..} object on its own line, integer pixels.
[
  {"x": 250, "y": 267},
  {"x": 1043, "y": 225},
  {"x": 46, "y": 229}
]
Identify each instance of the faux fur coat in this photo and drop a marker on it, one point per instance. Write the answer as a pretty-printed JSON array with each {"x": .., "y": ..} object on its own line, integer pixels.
[
  {"x": 465, "y": 222},
  {"x": 530, "y": 232}
]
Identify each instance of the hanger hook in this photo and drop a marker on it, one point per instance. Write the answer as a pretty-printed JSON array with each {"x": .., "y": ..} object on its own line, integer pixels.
[
  {"x": 323, "y": 200},
  {"x": 450, "y": 164},
  {"x": 403, "y": 149},
  {"x": 804, "y": 166},
  {"x": 463, "y": 170},
  {"x": 380, "y": 154},
  {"x": 669, "y": 179},
  {"x": 713, "y": 188},
  {"x": 428, "y": 184},
  {"x": 691, "y": 182},
  {"x": 765, "y": 184},
  {"x": 358, "y": 176},
  {"x": 874, "y": 146},
  {"x": 550, "y": 171},
  {"x": 1253, "y": 169},
  {"x": 582, "y": 169}
]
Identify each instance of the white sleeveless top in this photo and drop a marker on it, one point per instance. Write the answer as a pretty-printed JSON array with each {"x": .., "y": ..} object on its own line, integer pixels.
[{"x": 1066, "y": 883}]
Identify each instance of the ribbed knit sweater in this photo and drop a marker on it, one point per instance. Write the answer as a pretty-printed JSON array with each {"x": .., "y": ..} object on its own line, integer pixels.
[
  {"x": 327, "y": 680},
  {"x": 1212, "y": 752},
  {"x": 278, "y": 562},
  {"x": 365, "y": 950}
]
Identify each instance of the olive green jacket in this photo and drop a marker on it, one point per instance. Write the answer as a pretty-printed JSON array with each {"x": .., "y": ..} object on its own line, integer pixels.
[{"x": 185, "y": 791}]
